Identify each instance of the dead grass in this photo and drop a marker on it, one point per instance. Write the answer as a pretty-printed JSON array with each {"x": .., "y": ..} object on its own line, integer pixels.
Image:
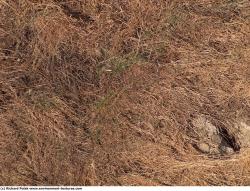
[{"x": 104, "y": 92}]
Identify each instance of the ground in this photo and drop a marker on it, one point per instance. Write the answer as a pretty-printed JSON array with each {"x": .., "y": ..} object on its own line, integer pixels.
[{"x": 137, "y": 92}]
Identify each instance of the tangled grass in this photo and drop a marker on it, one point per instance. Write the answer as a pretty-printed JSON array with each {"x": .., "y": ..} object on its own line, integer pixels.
[{"x": 104, "y": 92}]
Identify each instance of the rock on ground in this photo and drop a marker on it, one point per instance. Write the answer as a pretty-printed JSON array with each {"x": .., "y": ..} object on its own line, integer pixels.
[
  {"x": 211, "y": 140},
  {"x": 243, "y": 133}
]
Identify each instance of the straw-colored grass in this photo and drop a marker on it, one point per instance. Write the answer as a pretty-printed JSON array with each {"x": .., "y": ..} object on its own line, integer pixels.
[{"x": 104, "y": 92}]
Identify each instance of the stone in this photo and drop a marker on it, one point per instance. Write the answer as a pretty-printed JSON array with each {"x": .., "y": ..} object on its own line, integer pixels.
[
  {"x": 161, "y": 123},
  {"x": 204, "y": 147},
  {"x": 216, "y": 141},
  {"x": 226, "y": 150},
  {"x": 215, "y": 150},
  {"x": 243, "y": 133},
  {"x": 216, "y": 138},
  {"x": 202, "y": 124}
]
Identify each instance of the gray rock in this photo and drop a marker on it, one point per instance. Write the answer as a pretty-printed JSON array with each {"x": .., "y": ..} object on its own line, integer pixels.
[
  {"x": 203, "y": 147},
  {"x": 243, "y": 133},
  {"x": 162, "y": 123},
  {"x": 215, "y": 150},
  {"x": 226, "y": 150},
  {"x": 215, "y": 141},
  {"x": 206, "y": 130}
]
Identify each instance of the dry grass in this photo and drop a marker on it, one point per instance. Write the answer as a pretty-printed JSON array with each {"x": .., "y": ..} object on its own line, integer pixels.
[{"x": 103, "y": 92}]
